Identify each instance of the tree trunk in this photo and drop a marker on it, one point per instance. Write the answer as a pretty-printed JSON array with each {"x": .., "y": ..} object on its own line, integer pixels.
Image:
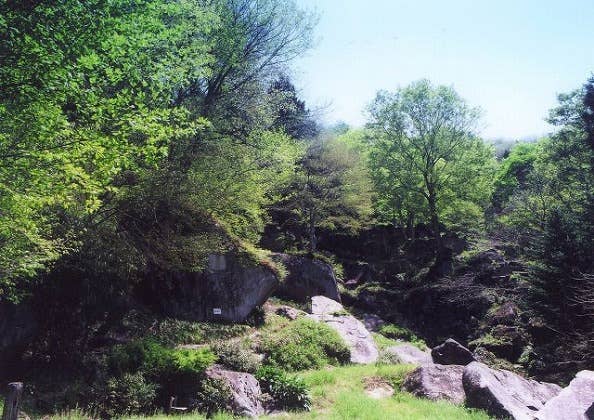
[
  {"x": 432, "y": 199},
  {"x": 12, "y": 401},
  {"x": 312, "y": 232}
]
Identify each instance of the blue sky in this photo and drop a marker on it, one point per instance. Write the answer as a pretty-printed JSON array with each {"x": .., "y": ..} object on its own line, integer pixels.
[{"x": 509, "y": 57}]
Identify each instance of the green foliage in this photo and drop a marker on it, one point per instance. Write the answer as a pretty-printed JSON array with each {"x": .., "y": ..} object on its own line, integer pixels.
[
  {"x": 426, "y": 163},
  {"x": 396, "y": 332},
  {"x": 213, "y": 397},
  {"x": 236, "y": 355},
  {"x": 305, "y": 344},
  {"x": 289, "y": 391},
  {"x": 128, "y": 394}
]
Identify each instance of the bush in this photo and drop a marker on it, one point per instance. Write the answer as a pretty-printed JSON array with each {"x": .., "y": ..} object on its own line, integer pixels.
[
  {"x": 129, "y": 394},
  {"x": 236, "y": 355},
  {"x": 213, "y": 397},
  {"x": 289, "y": 391},
  {"x": 305, "y": 344}
]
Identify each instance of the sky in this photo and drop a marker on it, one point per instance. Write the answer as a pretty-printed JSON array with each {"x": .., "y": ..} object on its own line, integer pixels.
[{"x": 509, "y": 57}]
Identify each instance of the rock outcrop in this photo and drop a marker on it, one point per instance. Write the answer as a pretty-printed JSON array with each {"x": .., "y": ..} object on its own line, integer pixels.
[
  {"x": 307, "y": 277},
  {"x": 229, "y": 289},
  {"x": 245, "y": 391},
  {"x": 353, "y": 332},
  {"x": 436, "y": 382},
  {"x": 575, "y": 402},
  {"x": 407, "y": 353},
  {"x": 504, "y": 394},
  {"x": 451, "y": 353}
]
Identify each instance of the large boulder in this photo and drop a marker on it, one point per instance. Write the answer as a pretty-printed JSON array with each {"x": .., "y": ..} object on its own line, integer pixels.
[
  {"x": 245, "y": 391},
  {"x": 436, "y": 382},
  {"x": 352, "y": 331},
  {"x": 229, "y": 289},
  {"x": 575, "y": 402},
  {"x": 407, "y": 353},
  {"x": 504, "y": 394},
  {"x": 307, "y": 277},
  {"x": 451, "y": 353}
]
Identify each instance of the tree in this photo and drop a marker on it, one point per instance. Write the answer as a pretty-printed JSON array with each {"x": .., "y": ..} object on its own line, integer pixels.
[
  {"x": 427, "y": 159},
  {"x": 330, "y": 190}
]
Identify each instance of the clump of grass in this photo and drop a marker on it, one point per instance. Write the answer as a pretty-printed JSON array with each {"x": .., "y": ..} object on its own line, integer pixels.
[
  {"x": 304, "y": 344},
  {"x": 396, "y": 332}
]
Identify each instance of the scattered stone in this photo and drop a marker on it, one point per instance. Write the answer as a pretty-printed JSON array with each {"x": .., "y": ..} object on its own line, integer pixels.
[
  {"x": 372, "y": 322},
  {"x": 307, "y": 277},
  {"x": 378, "y": 388},
  {"x": 289, "y": 312},
  {"x": 245, "y": 391},
  {"x": 505, "y": 394},
  {"x": 506, "y": 314},
  {"x": 576, "y": 402},
  {"x": 436, "y": 382},
  {"x": 353, "y": 332},
  {"x": 407, "y": 353},
  {"x": 451, "y": 353}
]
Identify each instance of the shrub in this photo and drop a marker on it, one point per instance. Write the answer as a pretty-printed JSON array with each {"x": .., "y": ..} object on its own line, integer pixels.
[
  {"x": 289, "y": 391},
  {"x": 213, "y": 396},
  {"x": 305, "y": 344},
  {"x": 129, "y": 394},
  {"x": 236, "y": 355}
]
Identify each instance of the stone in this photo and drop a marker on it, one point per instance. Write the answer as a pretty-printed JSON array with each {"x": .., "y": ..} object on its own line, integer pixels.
[
  {"x": 378, "y": 388},
  {"x": 575, "y": 402},
  {"x": 451, "y": 353},
  {"x": 372, "y": 322},
  {"x": 245, "y": 391},
  {"x": 228, "y": 290},
  {"x": 289, "y": 312},
  {"x": 436, "y": 382},
  {"x": 504, "y": 394},
  {"x": 407, "y": 353},
  {"x": 352, "y": 331},
  {"x": 306, "y": 277},
  {"x": 506, "y": 314}
]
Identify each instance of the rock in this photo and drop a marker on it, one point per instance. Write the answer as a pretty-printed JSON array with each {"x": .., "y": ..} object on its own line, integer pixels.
[
  {"x": 506, "y": 314},
  {"x": 378, "y": 388},
  {"x": 372, "y": 322},
  {"x": 504, "y": 394},
  {"x": 451, "y": 353},
  {"x": 245, "y": 390},
  {"x": 228, "y": 290},
  {"x": 407, "y": 353},
  {"x": 576, "y": 402},
  {"x": 289, "y": 312},
  {"x": 306, "y": 278},
  {"x": 436, "y": 382},
  {"x": 353, "y": 332}
]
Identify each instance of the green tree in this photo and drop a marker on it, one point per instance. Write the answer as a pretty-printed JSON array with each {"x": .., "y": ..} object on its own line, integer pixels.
[{"x": 427, "y": 162}]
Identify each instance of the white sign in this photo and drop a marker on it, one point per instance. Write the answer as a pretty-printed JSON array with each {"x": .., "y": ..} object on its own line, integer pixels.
[{"x": 216, "y": 311}]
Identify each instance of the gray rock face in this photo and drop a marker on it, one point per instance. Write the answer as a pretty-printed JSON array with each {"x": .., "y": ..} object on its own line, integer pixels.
[
  {"x": 245, "y": 390},
  {"x": 307, "y": 278},
  {"x": 436, "y": 382},
  {"x": 372, "y": 322},
  {"x": 407, "y": 353},
  {"x": 228, "y": 290},
  {"x": 504, "y": 394},
  {"x": 451, "y": 353},
  {"x": 353, "y": 332},
  {"x": 576, "y": 402}
]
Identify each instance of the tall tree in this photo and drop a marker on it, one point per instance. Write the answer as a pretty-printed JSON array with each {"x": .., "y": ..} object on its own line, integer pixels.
[{"x": 429, "y": 159}]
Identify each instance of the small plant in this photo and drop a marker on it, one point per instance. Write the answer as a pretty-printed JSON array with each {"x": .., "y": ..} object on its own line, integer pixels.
[
  {"x": 289, "y": 391},
  {"x": 236, "y": 355},
  {"x": 129, "y": 394},
  {"x": 305, "y": 344}
]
